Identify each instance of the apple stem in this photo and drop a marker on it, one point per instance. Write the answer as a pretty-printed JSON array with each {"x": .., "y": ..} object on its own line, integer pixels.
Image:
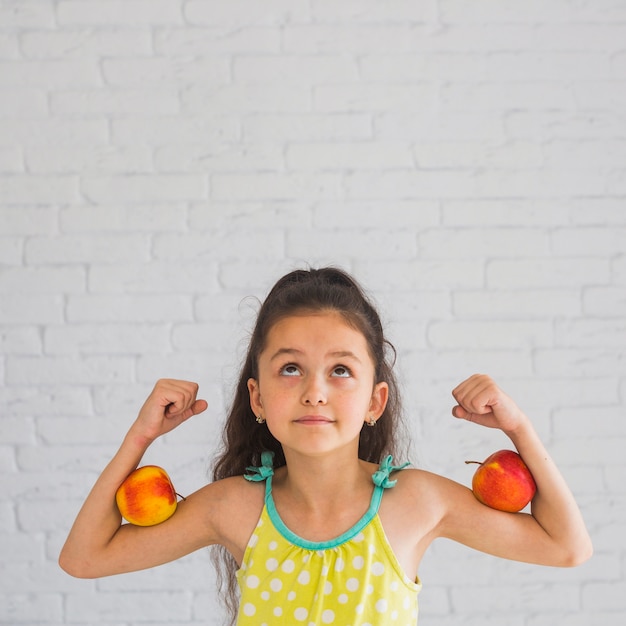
[
  {"x": 181, "y": 497},
  {"x": 477, "y": 462}
]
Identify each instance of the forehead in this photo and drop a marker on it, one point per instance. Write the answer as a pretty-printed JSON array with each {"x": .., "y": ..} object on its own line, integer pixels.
[{"x": 328, "y": 329}]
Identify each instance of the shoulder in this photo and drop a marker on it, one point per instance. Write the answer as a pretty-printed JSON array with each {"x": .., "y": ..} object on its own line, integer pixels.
[
  {"x": 423, "y": 495},
  {"x": 230, "y": 508}
]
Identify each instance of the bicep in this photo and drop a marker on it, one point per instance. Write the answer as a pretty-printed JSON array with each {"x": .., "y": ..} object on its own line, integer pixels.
[
  {"x": 134, "y": 548},
  {"x": 515, "y": 536}
]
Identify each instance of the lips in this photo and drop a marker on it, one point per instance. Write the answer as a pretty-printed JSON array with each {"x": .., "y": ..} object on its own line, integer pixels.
[{"x": 313, "y": 420}]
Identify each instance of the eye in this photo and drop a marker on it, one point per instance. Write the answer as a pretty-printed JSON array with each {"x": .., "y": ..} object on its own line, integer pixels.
[
  {"x": 289, "y": 370},
  {"x": 341, "y": 371}
]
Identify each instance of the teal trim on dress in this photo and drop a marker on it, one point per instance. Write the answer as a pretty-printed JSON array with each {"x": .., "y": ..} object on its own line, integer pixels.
[{"x": 381, "y": 481}]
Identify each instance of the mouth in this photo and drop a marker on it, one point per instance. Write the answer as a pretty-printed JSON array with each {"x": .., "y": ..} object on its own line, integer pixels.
[{"x": 313, "y": 420}]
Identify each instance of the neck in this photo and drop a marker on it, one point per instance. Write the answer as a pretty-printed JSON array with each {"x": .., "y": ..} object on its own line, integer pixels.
[{"x": 324, "y": 479}]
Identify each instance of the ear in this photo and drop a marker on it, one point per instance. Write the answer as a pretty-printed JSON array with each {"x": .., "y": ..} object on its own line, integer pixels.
[
  {"x": 378, "y": 401},
  {"x": 255, "y": 396}
]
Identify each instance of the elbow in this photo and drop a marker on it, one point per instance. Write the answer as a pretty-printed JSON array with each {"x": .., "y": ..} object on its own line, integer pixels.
[
  {"x": 578, "y": 554},
  {"x": 78, "y": 568}
]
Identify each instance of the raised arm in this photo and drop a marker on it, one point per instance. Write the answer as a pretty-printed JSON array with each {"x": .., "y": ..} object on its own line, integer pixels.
[
  {"x": 98, "y": 544},
  {"x": 554, "y": 533}
]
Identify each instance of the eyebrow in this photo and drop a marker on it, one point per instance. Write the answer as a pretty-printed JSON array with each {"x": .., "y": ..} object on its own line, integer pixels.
[{"x": 338, "y": 354}]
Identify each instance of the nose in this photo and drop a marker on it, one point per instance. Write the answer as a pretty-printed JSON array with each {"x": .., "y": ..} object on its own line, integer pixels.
[{"x": 314, "y": 392}]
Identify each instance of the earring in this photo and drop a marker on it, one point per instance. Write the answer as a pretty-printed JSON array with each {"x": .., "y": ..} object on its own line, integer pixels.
[
  {"x": 260, "y": 419},
  {"x": 371, "y": 421}
]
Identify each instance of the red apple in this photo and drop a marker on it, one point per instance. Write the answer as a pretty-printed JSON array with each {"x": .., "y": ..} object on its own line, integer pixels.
[
  {"x": 504, "y": 482},
  {"x": 147, "y": 496}
]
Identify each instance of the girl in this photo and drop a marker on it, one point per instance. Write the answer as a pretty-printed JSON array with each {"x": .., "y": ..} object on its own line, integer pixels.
[{"x": 315, "y": 523}]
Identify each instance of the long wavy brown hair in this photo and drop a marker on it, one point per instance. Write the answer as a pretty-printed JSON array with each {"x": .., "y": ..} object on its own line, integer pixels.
[{"x": 243, "y": 440}]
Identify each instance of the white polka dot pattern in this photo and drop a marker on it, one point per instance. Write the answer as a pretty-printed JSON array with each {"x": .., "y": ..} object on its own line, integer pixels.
[{"x": 357, "y": 582}]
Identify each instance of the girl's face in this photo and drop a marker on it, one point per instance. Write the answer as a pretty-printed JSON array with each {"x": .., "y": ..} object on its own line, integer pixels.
[{"x": 315, "y": 386}]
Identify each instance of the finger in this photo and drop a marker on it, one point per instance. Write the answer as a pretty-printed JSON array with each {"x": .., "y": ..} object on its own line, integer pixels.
[{"x": 199, "y": 406}]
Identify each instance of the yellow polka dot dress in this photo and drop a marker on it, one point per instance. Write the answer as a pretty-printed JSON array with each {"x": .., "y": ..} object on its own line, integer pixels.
[{"x": 352, "y": 580}]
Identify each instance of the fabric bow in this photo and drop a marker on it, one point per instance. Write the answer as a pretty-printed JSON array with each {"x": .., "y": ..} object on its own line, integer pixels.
[
  {"x": 381, "y": 477},
  {"x": 264, "y": 471}
]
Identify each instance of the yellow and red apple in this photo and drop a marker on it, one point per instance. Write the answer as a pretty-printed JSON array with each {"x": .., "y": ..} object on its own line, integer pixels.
[
  {"x": 147, "y": 496},
  {"x": 504, "y": 482}
]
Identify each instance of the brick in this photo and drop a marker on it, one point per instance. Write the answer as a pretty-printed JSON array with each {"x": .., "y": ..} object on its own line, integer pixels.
[
  {"x": 594, "y": 241},
  {"x": 142, "y": 189},
  {"x": 42, "y": 280},
  {"x": 22, "y": 370},
  {"x": 23, "y": 103},
  {"x": 20, "y": 340},
  {"x": 247, "y": 98},
  {"x": 220, "y": 158},
  {"x": 24, "y": 189},
  {"x": 406, "y": 184},
  {"x": 490, "y": 334},
  {"x": 601, "y": 124},
  {"x": 455, "y": 363},
  {"x": 506, "y": 212},
  {"x": 373, "y": 11},
  {"x": 207, "y": 40},
  {"x": 158, "y": 100},
  {"x": 411, "y": 214},
  {"x": 494, "y": 12},
  {"x": 28, "y": 220},
  {"x": 11, "y": 160},
  {"x": 591, "y": 333},
  {"x": 184, "y": 366},
  {"x": 478, "y": 154},
  {"x": 151, "y": 72},
  {"x": 26, "y": 14},
  {"x": 11, "y": 250},
  {"x": 16, "y": 430},
  {"x": 31, "y": 309},
  {"x": 272, "y": 186},
  {"x": 28, "y": 609},
  {"x": 102, "y": 219},
  {"x": 445, "y": 126},
  {"x": 154, "y": 130},
  {"x": 421, "y": 274},
  {"x": 157, "y": 277},
  {"x": 516, "y": 303},
  {"x": 348, "y": 156},
  {"x": 308, "y": 127},
  {"x": 604, "y": 301},
  {"x": 574, "y": 422},
  {"x": 394, "y": 244},
  {"x": 30, "y": 401},
  {"x": 49, "y": 74},
  {"x": 598, "y": 211},
  {"x": 361, "y": 97},
  {"x": 578, "y": 362},
  {"x": 243, "y": 12},
  {"x": 299, "y": 70},
  {"x": 107, "y": 12},
  {"x": 348, "y": 37},
  {"x": 106, "y": 339},
  {"x": 603, "y": 596},
  {"x": 87, "y": 249},
  {"x": 68, "y": 132},
  {"x": 8, "y": 464},
  {"x": 546, "y": 272},
  {"x": 499, "y": 242},
  {"x": 495, "y": 96},
  {"x": 84, "y": 43},
  {"x": 134, "y": 605},
  {"x": 85, "y": 431},
  {"x": 138, "y": 308},
  {"x": 216, "y": 246}
]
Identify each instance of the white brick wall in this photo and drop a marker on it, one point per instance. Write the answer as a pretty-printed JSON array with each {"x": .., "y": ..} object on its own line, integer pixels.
[{"x": 161, "y": 160}]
